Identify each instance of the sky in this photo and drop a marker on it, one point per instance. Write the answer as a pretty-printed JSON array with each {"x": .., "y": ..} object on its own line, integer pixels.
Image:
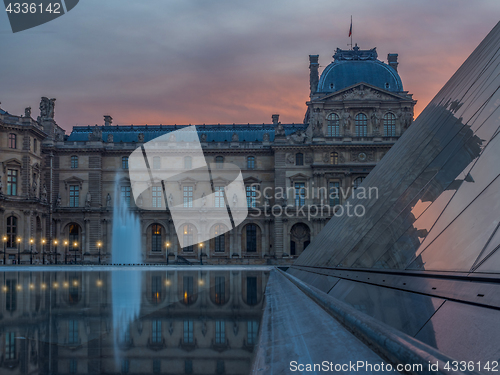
[{"x": 223, "y": 61}]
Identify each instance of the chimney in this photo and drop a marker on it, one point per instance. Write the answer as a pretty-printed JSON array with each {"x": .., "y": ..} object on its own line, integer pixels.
[
  {"x": 275, "y": 119},
  {"x": 392, "y": 59},
  {"x": 313, "y": 73},
  {"x": 108, "y": 120}
]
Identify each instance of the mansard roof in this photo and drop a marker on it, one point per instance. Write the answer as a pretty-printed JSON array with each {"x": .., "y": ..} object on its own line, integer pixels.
[{"x": 214, "y": 133}]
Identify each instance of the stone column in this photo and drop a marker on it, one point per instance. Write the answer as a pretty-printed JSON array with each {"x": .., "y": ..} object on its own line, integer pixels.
[
  {"x": 86, "y": 238},
  {"x": 286, "y": 242},
  {"x": 266, "y": 250}
]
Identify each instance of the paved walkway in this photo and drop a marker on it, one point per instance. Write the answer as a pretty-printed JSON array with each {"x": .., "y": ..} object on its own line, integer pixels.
[{"x": 295, "y": 330}]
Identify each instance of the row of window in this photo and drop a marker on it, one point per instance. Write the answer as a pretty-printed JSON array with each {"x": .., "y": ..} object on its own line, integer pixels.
[
  {"x": 334, "y": 158},
  {"x": 12, "y": 142},
  {"x": 360, "y": 124}
]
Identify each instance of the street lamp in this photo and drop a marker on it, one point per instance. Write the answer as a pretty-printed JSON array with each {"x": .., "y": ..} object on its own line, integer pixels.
[
  {"x": 31, "y": 251},
  {"x": 168, "y": 245},
  {"x": 74, "y": 249},
  {"x": 43, "y": 251},
  {"x": 4, "y": 248},
  {"x": 65, "y": 252},
  {"x": 55, "y": 250},
  {"x": 18, "y": 251},
  {"x": 99, "y": 244}
]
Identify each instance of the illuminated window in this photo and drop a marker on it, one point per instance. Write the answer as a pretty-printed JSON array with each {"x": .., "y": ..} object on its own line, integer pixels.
[
  {"x": 156, "y": 243},
  {"x": 251, "y": 195},
  {"x": 188, "y": 290},
  {"x": 188, "y": 238},
  {"x": 334, "y": 158}
]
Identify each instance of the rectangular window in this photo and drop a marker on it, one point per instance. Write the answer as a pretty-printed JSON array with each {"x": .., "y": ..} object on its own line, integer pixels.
[
  {"x": 156, "y": 366},
  {"x": 125, "y": 194},
  {"x": 10, "y": 345},
  {"x": 251, "y": 195},
  {"x": 251, "y": 290},
  {"x": 188, "y": 196},
  {"x": 156, "y": 336},
  {"x": 188, "y": 332},
  {"x": 74, "y": 196},
  {"x": 220, "y": 290},
  {"x": 156, "y": 162},
  {"x": 73, "y": 332},
  {"x": 252, "y": 332},
  {"x": 251, "y": 162},
  {"x": 11, "y": 181},
  {"x": 219, "y": 196},
  {"x": 334, "y": 193},
  {"x": 74, "y": 162},
  {"x": 300, "y": 194},
  {"x": 73, "y": 366},
  {"x": 188, "y": 366},
  {"x": 125, "y": 162},
  {"x": 156, "y": 196},
  {"x": 220, "y": 332},
  {"x": 12, "y": 140}
]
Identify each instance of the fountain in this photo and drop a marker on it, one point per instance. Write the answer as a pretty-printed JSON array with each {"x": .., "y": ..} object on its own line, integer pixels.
[{"x": 126, "y": 250}]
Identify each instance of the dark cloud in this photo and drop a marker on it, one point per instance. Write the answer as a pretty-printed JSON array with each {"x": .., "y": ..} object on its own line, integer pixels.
[{"x": 187, "y": 61}]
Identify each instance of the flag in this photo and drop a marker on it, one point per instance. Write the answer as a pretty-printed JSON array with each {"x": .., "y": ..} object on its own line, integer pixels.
[{"x": 350, "y": 29}]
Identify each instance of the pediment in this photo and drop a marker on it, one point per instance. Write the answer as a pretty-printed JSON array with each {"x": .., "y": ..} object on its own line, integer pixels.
[
  {"x": 73, "y": 180},
  {"x": 361, "y": 91},
  {"x": 299, "y": 176},
  {"x": 251, "y": 180},
  {"x": 13, "y": 163}
]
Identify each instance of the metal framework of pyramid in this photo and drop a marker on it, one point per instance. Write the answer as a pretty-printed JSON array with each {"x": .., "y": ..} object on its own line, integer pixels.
[{"x": 425, "y": 258}]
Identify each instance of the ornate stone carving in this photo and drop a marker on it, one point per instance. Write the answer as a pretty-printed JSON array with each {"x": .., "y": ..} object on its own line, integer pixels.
[
  {"x": 203, "y": 137},
  {"x": 298, "y": 137},
  {"x": 279, "y": 130},
  {"x": 341, "y": 158},
  {"x": 235, "y": 137},
  {"x": 290, "y": 159},
  {"x": 170, "y": 200},
  {"x": 110, "y": 138},
  {"x": 88, "y": 200},
  {"x": 326, "y": 158},
  {"x": 309, "y": 158},
  {"x": 361, "y": 93},
  {"x": 346, "y": 120},
  {"x": 407, "y": 118},
  {"x": 44, "y": 194},
  {"x": 140, "y": 137},
  {"x": 47, "y": 108},
  {"x": 96, "y": 134},
  {"x": 108, "y": 200},
  {"x": 58, "y": 201},
  {"x": 266, "y": 137},
  {"x": 27, "y": 112},
  {"x": 317, "y": 130}
]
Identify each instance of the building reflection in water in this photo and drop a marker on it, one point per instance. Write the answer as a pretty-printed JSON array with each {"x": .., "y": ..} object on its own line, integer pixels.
[{"x": 189, "y": 322}]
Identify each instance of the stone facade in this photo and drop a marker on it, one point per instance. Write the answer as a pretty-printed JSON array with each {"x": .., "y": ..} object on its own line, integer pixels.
[{"x": 65, "y": 185}]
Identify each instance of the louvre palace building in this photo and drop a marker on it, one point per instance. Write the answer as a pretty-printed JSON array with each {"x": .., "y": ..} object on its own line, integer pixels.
[{"x": 58, "y": 190}]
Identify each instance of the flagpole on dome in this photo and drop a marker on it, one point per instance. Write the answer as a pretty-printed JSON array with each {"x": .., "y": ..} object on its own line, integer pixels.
[{"x": 350, "y": 32}]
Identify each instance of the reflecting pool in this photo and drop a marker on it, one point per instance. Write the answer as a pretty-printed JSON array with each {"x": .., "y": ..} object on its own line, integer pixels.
[{"x": 131, "y": 320}]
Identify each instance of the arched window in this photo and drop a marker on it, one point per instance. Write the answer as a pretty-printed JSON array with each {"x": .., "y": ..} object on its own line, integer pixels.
[
  {"x": 188, "y": 237},
  {"x": 251, "y": 232},
  {"x": 11, "y": 231},
  {"x": 74, "y": 162},
  {"x": 334, "y": 158},
  {"x": 188, "y": 162},
  {"x": 220, "y": 240},
  {"x": 219, "y": 162},
  {"x": 333, "y": 121},
  {"x": 361, "y": 125},
  {"x": 156, "y": 162},
  {"x": 389, "y": 125},
  {"x": 74, "y": 236},
  {"x": 299, "y": 159},
  {"x": 156, "y": 237},
  {"x": 357, "y": 182},
  {"x": 12, "y": 140},
  {"x": 251, "y": 162}
]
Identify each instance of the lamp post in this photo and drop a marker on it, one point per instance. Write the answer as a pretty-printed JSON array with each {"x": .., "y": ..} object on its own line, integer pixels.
[
  {"x": 99, "y": 244},
  {"x": 74, "y": 249},
  {"x": 55, "y": 250},
  {"x": 65, "y": 252},
  {"x": 43, "y": 251},
  {"x": 4, "y": 248},
  {"x": 18, "y": 251},
  {"x": 201, "y": 254},
  {"x": 31, "y": 251},
  {"x": 168, "y": 245}
]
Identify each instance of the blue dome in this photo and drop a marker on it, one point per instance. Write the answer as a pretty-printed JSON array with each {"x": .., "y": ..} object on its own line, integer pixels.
[{"x": 355, "y": 66}]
